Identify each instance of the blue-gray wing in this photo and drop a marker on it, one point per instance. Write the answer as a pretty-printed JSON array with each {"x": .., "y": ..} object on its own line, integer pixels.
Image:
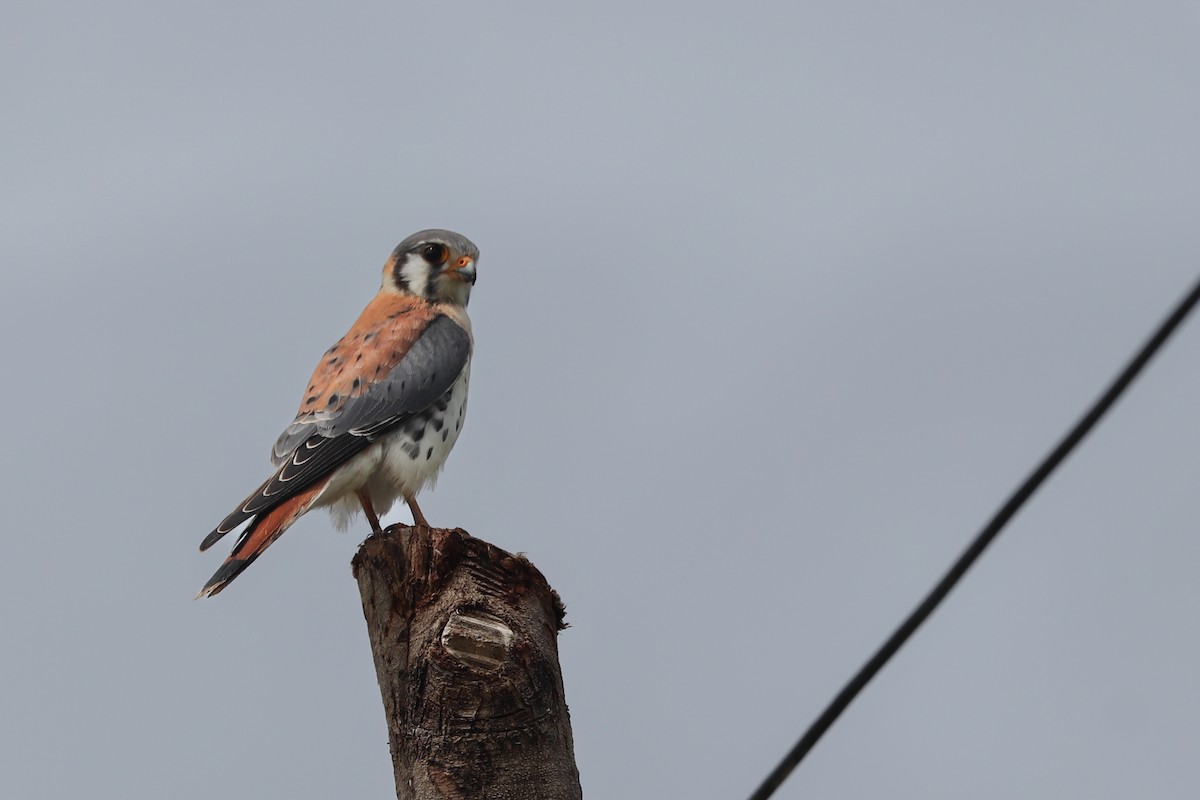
[
  {"x": 427, "y": 371},
  {"x": 315, "y": 445}
]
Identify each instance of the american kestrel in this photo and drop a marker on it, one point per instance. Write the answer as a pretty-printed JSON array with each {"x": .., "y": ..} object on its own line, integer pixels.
[{"x": 382, "y": 410}]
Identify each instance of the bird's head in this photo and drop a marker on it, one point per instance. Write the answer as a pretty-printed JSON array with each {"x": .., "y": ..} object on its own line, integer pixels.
[{"x": 436, "y": 265}]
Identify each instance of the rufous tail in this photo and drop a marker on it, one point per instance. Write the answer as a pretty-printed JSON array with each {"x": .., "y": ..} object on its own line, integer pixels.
[{"x": 261, "y": 533}]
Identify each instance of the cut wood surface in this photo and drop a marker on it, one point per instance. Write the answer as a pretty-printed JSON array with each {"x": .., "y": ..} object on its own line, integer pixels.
[{"x": 464, "y": 637}]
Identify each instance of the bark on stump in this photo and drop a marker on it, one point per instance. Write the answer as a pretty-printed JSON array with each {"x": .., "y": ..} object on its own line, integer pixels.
[{"x": 465, "y": 643}]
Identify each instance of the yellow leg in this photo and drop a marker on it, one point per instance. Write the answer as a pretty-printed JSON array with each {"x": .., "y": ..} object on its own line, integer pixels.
[
  {"x": 418, "y": 517},
  {"x": 364, "y": 497}
]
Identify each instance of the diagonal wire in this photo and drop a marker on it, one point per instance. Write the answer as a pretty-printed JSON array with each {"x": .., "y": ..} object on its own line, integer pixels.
[{"x": 982, "y": 540}]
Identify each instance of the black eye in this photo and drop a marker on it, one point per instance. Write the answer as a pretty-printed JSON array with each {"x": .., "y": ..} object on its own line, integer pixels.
[{"x": 435, "y": 253}]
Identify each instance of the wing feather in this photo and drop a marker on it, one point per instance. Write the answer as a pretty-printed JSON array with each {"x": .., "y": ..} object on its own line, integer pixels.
[{"x": 314, "y": 445}]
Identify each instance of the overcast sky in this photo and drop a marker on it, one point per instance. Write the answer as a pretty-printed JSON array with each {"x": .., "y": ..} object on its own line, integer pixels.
[{"x": 776, "y": 303}]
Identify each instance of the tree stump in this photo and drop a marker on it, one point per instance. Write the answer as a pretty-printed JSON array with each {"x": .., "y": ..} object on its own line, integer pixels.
[{"x": 465, "y": 643}]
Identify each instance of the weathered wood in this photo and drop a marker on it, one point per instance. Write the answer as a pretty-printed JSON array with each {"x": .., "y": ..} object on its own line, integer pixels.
[{"x": 465, "y": 643}]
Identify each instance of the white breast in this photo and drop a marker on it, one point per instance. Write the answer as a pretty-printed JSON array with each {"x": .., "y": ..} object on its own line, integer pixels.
[{"x": 402, "y": 461}]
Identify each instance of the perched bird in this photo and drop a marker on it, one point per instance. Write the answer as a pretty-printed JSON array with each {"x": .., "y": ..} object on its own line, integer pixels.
[{"x": 382, "y": 410}]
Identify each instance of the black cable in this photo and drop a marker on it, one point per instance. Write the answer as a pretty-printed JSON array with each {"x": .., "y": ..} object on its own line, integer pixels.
[{"x": 982, "y": 540}]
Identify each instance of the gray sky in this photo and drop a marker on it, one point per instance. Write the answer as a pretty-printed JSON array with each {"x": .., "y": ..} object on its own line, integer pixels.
[{"x": 777, "y": 302}]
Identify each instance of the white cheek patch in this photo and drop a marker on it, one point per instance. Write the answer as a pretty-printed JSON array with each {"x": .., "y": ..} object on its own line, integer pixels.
[{"x": 415, "y": 273}]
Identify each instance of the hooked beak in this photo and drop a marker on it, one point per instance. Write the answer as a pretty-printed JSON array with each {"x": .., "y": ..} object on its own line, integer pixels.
[{"x": 464, "y": 270}]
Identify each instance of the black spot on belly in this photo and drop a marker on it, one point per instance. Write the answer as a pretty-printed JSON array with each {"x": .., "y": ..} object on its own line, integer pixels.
[
  {"x": 415, "y": 425},
  {"x": 445, "y": 433},
  {"x": 411, "y": 449},
  {"x": 429, "y": 454}
]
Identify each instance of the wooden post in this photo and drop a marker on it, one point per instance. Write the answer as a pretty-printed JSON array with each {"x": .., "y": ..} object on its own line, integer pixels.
[{"x": 465, "y": 643}]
